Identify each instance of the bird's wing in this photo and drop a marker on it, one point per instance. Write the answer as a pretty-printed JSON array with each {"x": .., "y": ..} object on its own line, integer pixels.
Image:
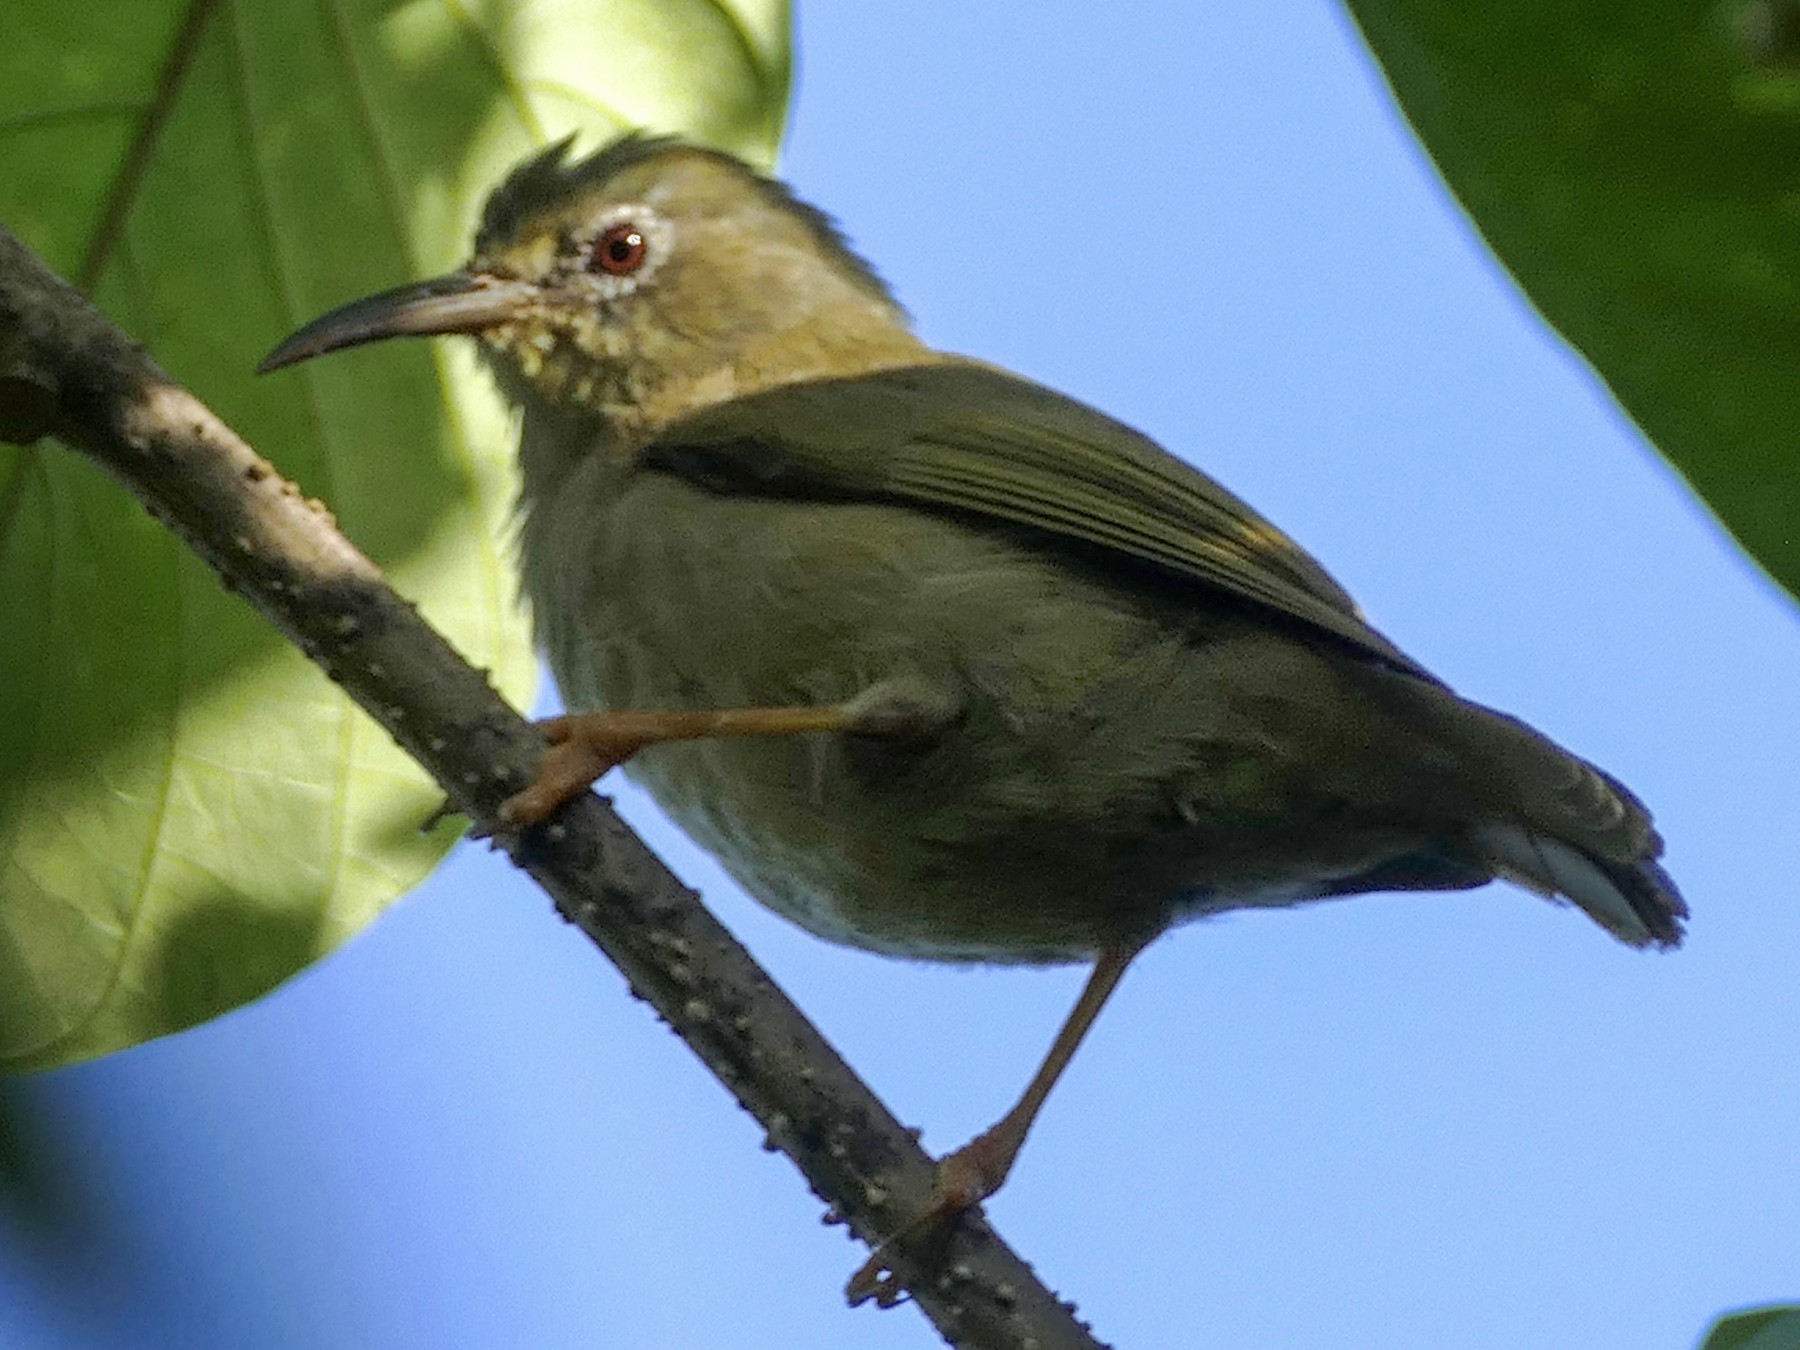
[{"x": 971, "y": 440}]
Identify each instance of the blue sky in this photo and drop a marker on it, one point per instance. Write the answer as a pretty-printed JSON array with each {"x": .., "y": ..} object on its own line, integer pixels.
[{"x": 1466, "y": 1120}]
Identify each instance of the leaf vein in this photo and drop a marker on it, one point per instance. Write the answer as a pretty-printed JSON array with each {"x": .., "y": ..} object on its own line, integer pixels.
[{"x": 123, "y": 194}]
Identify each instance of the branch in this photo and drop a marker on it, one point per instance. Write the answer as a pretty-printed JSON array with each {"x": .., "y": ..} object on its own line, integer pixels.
[{"x": 66, "y": 372}]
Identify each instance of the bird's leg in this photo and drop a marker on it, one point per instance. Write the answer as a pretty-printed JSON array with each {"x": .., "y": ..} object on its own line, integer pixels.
[
  {"x": 979, "y": 1168},
  {"x": 585, "y": 746}
]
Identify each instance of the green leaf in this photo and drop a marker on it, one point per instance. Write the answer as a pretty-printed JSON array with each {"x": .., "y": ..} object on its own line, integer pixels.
[
  {"x": 189, "y": 811},
  {"x": 1633, "y": 165},
  {"x": 1772, "y": 1328}
]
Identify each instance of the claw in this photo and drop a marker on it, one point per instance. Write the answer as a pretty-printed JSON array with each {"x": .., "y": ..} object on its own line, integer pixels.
[
  {"x": 583, "y": 749},
  {"x": 876, "y": 1280},
  {"x": 964, "y": 1179}
]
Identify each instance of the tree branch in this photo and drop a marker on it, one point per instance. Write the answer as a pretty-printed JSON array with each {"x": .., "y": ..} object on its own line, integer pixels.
[{"x": 65, "y": 371}]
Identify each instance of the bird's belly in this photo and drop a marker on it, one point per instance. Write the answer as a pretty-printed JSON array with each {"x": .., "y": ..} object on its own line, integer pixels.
[{"x": 826, "y": 863}]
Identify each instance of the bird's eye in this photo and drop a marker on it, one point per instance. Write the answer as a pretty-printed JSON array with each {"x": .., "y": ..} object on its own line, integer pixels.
[{"x": 619, "y": 250}]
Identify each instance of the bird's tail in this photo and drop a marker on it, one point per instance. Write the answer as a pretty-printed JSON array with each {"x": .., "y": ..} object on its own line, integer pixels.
[
  {"x": 1566, "y": 829},
  {"x": 1636, "y": 902}
]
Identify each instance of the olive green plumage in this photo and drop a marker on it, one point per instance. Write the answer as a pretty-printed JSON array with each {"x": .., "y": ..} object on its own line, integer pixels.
[{"x": 1132, "y": 700}]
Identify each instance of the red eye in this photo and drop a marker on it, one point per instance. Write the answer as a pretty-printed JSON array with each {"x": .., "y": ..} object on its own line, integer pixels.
[{"x": 619, "y": 251}]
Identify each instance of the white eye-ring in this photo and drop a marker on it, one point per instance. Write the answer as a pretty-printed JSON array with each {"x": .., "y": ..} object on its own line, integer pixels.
[{"x": 627, "y": 245}]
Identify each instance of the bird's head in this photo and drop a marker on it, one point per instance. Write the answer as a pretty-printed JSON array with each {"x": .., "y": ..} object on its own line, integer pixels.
[{"x": 651, "y": 273}]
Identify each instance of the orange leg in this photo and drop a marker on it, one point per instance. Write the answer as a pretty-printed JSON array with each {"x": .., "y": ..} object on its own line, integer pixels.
[
  {"x": 585, "y": 746},
  {"x": 980, "y": 1167}
]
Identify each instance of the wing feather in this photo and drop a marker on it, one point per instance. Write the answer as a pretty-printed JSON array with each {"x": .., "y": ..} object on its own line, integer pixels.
[{"x": 978, "y": 441}]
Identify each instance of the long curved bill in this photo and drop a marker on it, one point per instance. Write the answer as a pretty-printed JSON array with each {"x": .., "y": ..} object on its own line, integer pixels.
[{"x": 460, "y": 302}]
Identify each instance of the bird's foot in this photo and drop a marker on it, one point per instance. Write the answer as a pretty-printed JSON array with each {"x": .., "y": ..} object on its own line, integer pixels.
[
  {"x": 584, "y": 747},
  {"x": 979, "y": 1168},
  {"x": 964, "y": 1179}
]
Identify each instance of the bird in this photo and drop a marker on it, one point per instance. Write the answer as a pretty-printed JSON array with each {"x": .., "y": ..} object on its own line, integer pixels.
[{"x": 937, "y": 661}]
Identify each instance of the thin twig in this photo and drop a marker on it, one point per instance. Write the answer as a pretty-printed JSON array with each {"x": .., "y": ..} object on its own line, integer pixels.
[{"x": 66, "y": 371}]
